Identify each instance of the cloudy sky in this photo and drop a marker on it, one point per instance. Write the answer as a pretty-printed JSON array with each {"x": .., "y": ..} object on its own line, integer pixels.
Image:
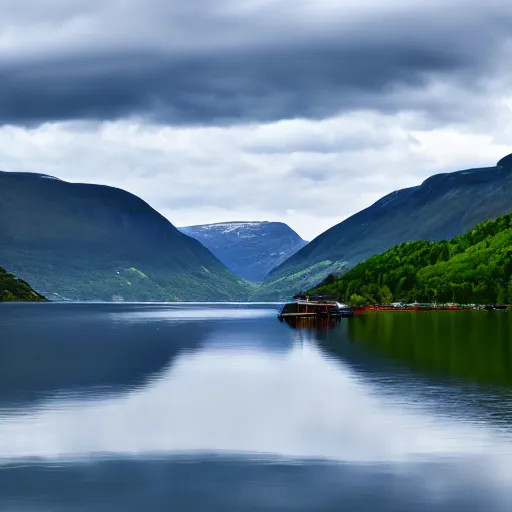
[{"x": 303, "y": 111}]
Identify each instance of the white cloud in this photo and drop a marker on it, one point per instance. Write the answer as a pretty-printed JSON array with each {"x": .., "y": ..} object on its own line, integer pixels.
[
  {"x": 408, "y": 93},
  {"x": 309, "y": 174}
]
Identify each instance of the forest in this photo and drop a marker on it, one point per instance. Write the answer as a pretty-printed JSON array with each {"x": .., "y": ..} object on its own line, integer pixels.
[
  {"x": 14, "y": 289},
  {"x": 473, "y": 268}
]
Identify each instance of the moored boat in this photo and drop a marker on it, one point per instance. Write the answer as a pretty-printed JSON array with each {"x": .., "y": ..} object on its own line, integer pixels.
[{"x": 304, "y": 306}]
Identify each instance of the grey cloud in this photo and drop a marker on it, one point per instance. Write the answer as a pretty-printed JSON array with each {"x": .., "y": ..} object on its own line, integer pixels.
[
  {"x": 305, "y": 141},
  {"x": 203, "y": 65},
  {"x": 312, "y": 173}
]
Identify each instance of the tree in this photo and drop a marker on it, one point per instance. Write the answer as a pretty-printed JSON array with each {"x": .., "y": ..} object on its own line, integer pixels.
[
  {"x": 357, "y": 300},
  {"x": 472, "y": 268},
  {"x": 386, "y": 297}
]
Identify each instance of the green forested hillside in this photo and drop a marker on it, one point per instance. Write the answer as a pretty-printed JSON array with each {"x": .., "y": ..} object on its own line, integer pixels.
[
  {"x": 443, "y": 206},
  {"x": 91, "y": 242},
  {"x": 14, "y": 289},
  {"x": 472, "y": 268}
]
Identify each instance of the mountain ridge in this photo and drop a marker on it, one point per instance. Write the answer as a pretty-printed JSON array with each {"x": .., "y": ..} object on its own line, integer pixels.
[
  {"x": 442, "y": 206},
  {"x": 248, "y": 248},
  {"x": 94, "y": 242},
  {"x": 475, "y": 267}
]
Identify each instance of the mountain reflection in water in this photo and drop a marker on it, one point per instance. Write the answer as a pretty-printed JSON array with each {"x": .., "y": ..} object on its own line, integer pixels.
[
  {"x": 472, "y": 345},
  {"x": 123, "y": 407}
]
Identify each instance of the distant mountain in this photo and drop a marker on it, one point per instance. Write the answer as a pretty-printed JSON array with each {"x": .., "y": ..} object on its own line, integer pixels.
[
  {"x": 443, "y": 206},
  {"x": 474, "y": 268},
  {"x": 249, "y": 249},
  {"x": 92, "y": 242},
  {"x": 14, "y": 289}
]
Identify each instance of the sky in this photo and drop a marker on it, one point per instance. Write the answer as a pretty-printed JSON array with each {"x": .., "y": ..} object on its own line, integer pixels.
[{"x": 300, "y": 111}]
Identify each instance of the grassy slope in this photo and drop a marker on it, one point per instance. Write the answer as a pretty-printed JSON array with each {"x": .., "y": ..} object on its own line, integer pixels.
[
  {"x": 92, "y": 242},
  {"x": 14, "y": 289},
  {"x": 443, "y": 206},
  {"x": 472, "y": 268}
]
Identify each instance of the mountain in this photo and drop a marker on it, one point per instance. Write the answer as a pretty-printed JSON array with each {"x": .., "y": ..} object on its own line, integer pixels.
[
  {"x": 14, "y": 289},
  {"x": 443, "y": 206},
  {"x": 250, "y": 249},
  {"x": 92, "y": 242},
  {"x": 474, "y": 268}
]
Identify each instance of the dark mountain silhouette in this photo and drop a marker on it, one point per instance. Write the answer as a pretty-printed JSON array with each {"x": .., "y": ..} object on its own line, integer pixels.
[
  {"x": 443, "y": 206},
  {"x": 89, "y": 242},
  {"x": 250, "y": 249}
]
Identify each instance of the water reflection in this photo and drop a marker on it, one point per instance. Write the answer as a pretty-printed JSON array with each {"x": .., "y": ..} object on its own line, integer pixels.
[
  {"x": 232, "y": 410},
  {"x": 192, "y": 312},
  {"x": 474, "y": 345},
  {"x": 229, "y": 395},
  {"x": 221, "y": 484},
  {"x": 83, "y": 349},
  {"x": 385, "y": 349},
  {"x": 318, "y": 324}
]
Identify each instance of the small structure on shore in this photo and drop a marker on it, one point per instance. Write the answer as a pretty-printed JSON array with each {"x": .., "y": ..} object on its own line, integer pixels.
[{"x": 416, "y": 306}]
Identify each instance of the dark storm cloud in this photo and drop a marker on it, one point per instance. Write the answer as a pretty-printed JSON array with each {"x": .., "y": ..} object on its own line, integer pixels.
[{"x": 203, "y": 65}]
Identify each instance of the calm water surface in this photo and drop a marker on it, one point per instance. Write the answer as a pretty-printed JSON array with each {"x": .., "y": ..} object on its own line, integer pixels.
[{"x": 124, "y": 407}]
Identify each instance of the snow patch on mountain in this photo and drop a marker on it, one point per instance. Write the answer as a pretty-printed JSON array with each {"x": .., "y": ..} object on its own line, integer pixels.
[{"x": 249, "y": 248}]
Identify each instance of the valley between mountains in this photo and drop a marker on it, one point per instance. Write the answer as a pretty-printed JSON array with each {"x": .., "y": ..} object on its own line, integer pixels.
[{"x": 85, "y": 242}]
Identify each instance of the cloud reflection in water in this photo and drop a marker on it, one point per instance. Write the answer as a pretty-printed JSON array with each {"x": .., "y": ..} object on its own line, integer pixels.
[{"x": 295, "y": 404}]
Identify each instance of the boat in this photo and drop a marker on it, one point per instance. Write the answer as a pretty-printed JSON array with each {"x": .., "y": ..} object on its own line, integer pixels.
[{"x": 315, "y": 307}]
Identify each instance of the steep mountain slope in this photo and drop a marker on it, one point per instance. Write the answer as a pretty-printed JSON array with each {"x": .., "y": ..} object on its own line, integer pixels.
[
  {"x": 14, "y": 289},
  {"x": 89, "y": 242},
  {"x": 249, "y": 249},
  {"x": 443, "y": 206},
  {"x": 472, "y": 268}
]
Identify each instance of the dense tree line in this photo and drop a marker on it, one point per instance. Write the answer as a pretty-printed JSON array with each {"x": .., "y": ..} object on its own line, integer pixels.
[
  {"x": 14, "y": 289},
  {"x": 472, "y": 268}
]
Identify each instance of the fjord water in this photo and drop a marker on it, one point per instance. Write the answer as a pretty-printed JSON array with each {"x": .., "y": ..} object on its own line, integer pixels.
[{"x": 221, "y": 407}]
